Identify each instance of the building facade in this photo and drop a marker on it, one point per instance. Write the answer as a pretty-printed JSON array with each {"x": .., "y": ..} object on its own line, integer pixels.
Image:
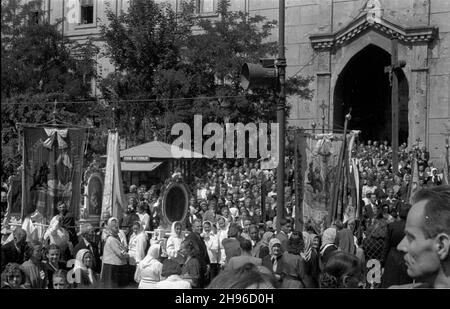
[{"x": 345, "y": 45}]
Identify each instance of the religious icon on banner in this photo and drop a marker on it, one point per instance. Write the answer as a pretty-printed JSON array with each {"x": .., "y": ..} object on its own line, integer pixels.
[
  {"x": 95, "y": 195},
  {"x": 52, "y": 169}
]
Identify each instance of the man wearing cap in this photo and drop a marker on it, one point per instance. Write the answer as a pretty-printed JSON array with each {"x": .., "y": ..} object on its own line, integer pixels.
[{"x": 86, "y": 237}]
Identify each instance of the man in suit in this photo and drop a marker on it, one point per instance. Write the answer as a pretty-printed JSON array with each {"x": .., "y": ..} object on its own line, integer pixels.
[
  {"x": 245, "y": 257},
  {"x": 283, "y": 234},
  {"x": 86, "y": 241},
  {"x": 202, "y": 253},
  {"x": 13, "y": 251}
]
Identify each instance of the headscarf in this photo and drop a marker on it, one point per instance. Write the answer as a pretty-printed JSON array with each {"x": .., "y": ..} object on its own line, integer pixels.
[
  {"x": 152, "y": 254},
  {"x": 328, "y": 237},
  {"x": 307, "y": 239},
  {"x": 79, "y": 259},
  {"x": 173, "y": 233},
  {"x": 265, "y": 238},
  {"x": 80, "y": 265},
  {"x": 210, "y": 223},
  {"x": 272, "y": 243}
]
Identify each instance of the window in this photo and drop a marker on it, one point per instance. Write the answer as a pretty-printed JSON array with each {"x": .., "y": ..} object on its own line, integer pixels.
[
  {"x": 206, "y": 7},
  {"x": 35, "y": 12},
  {"x": 87, "y": 12}
]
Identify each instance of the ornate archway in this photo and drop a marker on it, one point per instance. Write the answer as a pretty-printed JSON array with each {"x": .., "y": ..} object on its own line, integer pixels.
[{"x": 336, "y": 51}]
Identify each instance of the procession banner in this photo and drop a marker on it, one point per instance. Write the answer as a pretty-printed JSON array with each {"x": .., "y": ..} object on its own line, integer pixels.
[
  {"x": 319, "y": 155},
  {"x": 52, "y": 161},
  {"x": 113, "y": 201},
  {"x": 414, "y": 183}
]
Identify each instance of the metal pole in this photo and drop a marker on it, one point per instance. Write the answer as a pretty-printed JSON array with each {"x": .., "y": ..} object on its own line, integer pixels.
[{"x": 281, "y": 65}]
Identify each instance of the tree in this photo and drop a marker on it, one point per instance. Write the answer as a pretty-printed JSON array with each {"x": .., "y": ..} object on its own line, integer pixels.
[
  {"x": 39, "y": 66},
  {"x": 161, "y": 59}
]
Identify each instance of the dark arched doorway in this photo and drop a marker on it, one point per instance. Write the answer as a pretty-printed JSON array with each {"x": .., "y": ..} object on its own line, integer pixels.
[{"x": 364, "y": 86}]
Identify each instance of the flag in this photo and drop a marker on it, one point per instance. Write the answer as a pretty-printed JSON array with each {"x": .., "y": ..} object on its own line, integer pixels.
[
  {"x": 52, "y": 167},
  {"x": 113, "y": 202},
  {"x": 414, "y": 182}
]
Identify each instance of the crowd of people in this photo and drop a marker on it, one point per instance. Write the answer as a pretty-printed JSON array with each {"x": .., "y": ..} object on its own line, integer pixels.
[{"x": 228, "y": 240}]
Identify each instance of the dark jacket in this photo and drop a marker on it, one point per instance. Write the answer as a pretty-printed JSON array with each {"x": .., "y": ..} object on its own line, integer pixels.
[
  {"x": 394, "y": 264},
  {"x": 68, "y": 222},
  {"x": 10, "y": 254},
  {"x": 202, "y": 256},
  {"x": 232, "y": 247},
  {"x": 267, "y": 262}
]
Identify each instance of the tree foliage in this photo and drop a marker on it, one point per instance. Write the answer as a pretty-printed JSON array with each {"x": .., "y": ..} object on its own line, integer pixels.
[
  {"x": 185, "y": 65},
  {"x": 39, "y": 66}
]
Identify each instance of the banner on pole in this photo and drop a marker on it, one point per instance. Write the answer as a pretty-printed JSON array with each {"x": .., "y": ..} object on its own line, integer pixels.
[
  {"x": 113, "y": 202},
  {"x": 52, "y": 166},
  {"x": 320, "y": 155}
]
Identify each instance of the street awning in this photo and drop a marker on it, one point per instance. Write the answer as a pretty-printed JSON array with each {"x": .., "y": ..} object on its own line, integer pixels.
[
  {"x": 159, "y": 150},
  {"x": 139, "y": 166}
]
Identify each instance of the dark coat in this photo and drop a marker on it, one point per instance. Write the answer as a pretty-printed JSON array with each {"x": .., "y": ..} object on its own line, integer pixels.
[
  {"x": 267, "y": 262},
  {"x": 232, "y": 247},
  {"x": 394, "y": 265},
  {"x": 201, "y": 256},
  {"x": 68, "y": 222},
  {"x": 11, "y": 255}
]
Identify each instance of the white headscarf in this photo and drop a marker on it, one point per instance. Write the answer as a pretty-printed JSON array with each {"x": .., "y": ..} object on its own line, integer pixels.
[
  {"x": 152, "y": 254},
  {"x": 173, "y": 233},
  {"x": 328, "y": 237}
]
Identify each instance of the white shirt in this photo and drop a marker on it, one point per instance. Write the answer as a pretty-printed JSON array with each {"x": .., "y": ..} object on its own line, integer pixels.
[{"x": 212, "y": 246}]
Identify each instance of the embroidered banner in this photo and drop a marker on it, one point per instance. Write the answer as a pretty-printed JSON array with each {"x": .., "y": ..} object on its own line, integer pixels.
[
  {"x": 52, "y": 160},
  {"x": 320, "y": 153}
]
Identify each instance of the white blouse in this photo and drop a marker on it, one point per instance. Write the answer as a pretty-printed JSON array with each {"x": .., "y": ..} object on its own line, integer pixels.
[
  {"x": 173, "y": 246},
  {"x": 136, "y": 248}
]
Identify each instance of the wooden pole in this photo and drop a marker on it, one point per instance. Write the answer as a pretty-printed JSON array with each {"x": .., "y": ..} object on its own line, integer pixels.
[
  {"x": 335, "y": 197},
  {"x": 394, "y": 99},
  {"x": 297, "y": 171}
]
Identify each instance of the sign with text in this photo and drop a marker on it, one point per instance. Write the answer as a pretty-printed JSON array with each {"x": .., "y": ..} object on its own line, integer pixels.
[{"x": 136, "y": 158}]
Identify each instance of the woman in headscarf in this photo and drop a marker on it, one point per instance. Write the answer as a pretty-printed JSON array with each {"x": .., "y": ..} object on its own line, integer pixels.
[
  {"x": 137, "y": 248},
  {"x": 212, "y": 246},
  {"x": 328, "y": 246},
  {"x": 83, "y": 270},
  {"x": 114, "y": 267},
  {"x": 148, "y": 271},
  {"x": 273, "y": 260},
  {"x": 222, "y": 233},
  {"x": 293, "y": 266},
  {"x": 311, "y": 257},
  {"x": 174, "y": 241},
  {"x": 264, "y": 249}
]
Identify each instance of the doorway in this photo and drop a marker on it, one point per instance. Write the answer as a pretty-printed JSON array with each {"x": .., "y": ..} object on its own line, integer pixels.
[{"x": 364, "y": 86}]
